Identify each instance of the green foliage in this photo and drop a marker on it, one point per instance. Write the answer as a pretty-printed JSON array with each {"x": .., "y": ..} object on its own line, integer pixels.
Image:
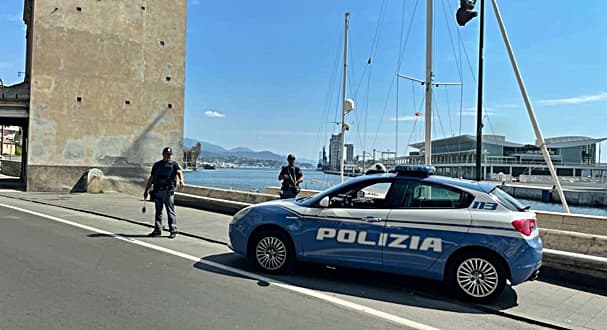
[{"x": 17, "y": 150}]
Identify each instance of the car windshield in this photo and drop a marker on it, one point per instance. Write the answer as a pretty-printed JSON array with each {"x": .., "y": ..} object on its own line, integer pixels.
[{"x": 508, "y": 201}]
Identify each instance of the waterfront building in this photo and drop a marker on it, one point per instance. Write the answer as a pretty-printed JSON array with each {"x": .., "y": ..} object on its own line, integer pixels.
[
  {"x": 573, "y": 156},
  {"x": 349, "y": 152},
  {"x": 334, "y": 152}
]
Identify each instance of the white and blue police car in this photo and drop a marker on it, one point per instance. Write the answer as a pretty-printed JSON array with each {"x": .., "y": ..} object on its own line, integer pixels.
[{"x": 470, "y": 234}]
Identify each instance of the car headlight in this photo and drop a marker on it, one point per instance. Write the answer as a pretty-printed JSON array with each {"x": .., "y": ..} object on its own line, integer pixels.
[{"x": 241, "y": 214}]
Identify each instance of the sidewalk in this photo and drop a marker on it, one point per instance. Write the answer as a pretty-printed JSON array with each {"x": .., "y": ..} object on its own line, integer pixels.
[{"x": 541, "y": 301}]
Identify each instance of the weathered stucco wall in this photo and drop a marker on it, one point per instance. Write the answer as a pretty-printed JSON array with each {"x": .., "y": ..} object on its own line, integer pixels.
[{"x": 107, "y": 87}]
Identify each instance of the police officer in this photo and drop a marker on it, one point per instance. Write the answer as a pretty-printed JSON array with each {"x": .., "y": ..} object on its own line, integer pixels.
[
  {"x": 164, "y": 178},
  {"x": 291, "y": 177}
]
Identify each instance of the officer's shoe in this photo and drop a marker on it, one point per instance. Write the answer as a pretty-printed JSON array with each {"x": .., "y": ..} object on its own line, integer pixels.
[
  {"x": 173, "y": 234},
  {"x": 154, "y": 233}
]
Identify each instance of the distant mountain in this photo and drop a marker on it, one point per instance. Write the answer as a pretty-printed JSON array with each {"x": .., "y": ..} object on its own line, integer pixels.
[
  {"x": 240, "y": 149},
  {"x": 188, "y": 143},
  {"x": 213, "y": 150}
]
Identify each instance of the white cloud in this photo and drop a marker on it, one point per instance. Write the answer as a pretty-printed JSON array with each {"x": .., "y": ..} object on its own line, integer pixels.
[
  {"x": 576, "y": 99},
  {"x": 214, "y": 114},
  {"x": 407, "y": 118},
  {"x": 471, "y": 112}
]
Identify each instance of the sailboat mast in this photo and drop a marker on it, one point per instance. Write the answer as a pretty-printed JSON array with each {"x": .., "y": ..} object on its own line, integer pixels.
[
  {"x": 536, "y": 127},
  {"x": 342, "y": 137},
  {"x": 428, "y": 84}
]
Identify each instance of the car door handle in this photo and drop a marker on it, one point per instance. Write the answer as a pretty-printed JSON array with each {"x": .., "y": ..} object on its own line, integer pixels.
[{"x": 371, "y": 219}]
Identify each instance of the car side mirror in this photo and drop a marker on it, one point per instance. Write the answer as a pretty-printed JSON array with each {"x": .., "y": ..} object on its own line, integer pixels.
[
  {"x": 360, "y": 194},
  {"x": 324, "y": 202}
]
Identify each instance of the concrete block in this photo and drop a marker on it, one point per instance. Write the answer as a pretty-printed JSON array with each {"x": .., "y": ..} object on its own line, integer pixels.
[{"x": 94, "y": 181}]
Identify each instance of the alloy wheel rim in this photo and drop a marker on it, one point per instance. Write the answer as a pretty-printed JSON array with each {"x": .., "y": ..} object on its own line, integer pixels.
[
  {"x": 271, "y": 253},
  {"x": 477, "y": 277}
]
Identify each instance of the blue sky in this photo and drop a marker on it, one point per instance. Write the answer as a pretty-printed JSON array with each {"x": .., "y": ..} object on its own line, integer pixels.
[{"x": 266, "y": 74}]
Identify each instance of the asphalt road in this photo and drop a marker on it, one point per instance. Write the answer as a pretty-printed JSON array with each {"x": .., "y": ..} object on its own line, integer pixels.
[
  {"x": 55, "y": 273},
  {"x": 59, "y": 277}
]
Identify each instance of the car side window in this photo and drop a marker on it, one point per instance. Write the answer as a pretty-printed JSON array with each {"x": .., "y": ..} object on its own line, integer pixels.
[
  {"x": 434, "y": 196},
  {"x": 371, "y": 195}
]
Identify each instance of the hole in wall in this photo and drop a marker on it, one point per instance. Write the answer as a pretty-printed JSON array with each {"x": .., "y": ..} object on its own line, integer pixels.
[
  {"x": 78, "y": 98},
  {"x": 79, "y": 8},
  {"x": 170, "y": 105},
  {"x": 127, "y": 102},
  {"x": 142, "y": 7},
  {"x": 168, "y": 78},
  {"x": 162, "y": 43}
]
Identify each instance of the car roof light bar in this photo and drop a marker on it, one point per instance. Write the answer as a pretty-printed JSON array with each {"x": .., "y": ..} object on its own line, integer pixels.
[{"x": 414, "y": 170}]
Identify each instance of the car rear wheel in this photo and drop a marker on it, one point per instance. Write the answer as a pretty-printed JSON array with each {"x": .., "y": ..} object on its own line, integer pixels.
[
  {"x": 476, "y": 276},
  {"x": 271, "y": 251}
]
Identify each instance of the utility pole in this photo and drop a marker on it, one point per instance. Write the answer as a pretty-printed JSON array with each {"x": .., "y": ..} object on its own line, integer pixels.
[
  {"x": 463, "y": 15},
  {"x": 479, "y": 99}
]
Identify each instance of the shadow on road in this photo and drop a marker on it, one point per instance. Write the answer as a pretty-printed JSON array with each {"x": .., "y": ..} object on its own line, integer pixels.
[
  {"x": 573, "y": 281},
  {"x": 382, "y": 287}
]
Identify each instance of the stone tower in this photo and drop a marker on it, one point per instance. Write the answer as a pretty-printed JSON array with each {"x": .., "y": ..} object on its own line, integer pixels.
[{"x": 106, "y": 81}]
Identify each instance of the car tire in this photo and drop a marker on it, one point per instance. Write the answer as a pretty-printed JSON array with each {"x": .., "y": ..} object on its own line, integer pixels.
[
  {"x": 272, "y": 252},
  {"x": 476, "y": 276}
]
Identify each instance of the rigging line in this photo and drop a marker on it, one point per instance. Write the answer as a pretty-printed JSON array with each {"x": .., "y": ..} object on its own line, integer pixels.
[
  {"x": 411, "y": 134},
  {"x": 362, "y": 125},
  {"x": 435, "y": 105},
  {"x": 472, "y": 73},
  {"x": 337, "y": 107},
  {"x": 459, "y": 69},
  {"x": 331, "y": 90},
  {"x": 400, "y": 39},
  {"x": 486, "y": 116},
  {"x": 449, "y": 110},
  {"x": 413, "y": 94},
  {"x": 461, "y": 106},
  {"x": 400, "y": 57},
  {"x": 364, "y": 145},
  {"x": 440, "y": 121},
  {"x": 381, "y": 118},
  {"x": 378, "y": 28},
  {"x": 375, "y": 43},
  {"x": 461, "y": 43},
  {"x": 417, "y": 118},
  {"x": 352, "y": 75}
]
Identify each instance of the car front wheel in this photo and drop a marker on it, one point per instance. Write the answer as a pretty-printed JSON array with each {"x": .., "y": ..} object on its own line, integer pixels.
[
  {"x": 476, "y": 276},
  {"x": 271, "y": 251}
]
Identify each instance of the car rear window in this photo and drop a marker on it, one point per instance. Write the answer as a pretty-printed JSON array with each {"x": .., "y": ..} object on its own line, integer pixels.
[{"x": 506, "y": 200}]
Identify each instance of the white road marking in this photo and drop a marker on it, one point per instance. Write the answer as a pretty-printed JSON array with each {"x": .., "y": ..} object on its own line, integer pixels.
[{"x": 312, "y": 293}]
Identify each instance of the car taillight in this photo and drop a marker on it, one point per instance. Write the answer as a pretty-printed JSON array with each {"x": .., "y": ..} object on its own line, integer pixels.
[{"x": 525, "y": 226}]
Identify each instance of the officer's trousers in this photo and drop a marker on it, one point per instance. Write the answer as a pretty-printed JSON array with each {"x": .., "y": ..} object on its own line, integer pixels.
[{"x": 165, "y": 198}]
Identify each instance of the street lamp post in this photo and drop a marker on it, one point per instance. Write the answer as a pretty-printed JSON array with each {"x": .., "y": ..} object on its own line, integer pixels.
[{"x": 463, "y": 15}]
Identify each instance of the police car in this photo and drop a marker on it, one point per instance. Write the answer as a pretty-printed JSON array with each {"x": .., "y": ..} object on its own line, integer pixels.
[{"x": 470, "y": 234}]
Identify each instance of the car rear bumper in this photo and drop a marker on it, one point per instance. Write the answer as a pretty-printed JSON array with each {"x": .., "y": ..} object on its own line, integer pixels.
[{"x": 527, "y": 264}]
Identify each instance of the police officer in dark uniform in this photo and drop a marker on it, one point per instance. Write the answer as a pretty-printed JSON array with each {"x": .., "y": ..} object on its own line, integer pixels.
[
  {"x": 164, "y": 178},
  {"x": 291, "y": 177}
]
